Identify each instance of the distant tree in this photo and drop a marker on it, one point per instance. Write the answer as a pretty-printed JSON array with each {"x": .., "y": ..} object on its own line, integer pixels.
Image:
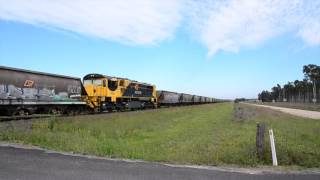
[
  {"x": 276, "y": 92},
  {"x": 306, "y": 91},
  {"x": 279, "y": 89},
  {"x": 302, "y": 91},
  {"x": 299, "y": 90},
  {"x": 288, "y": 92},
  {"x": 312, "y": 73},
  {"x": 285, "y": 92},
  {"x": 291, "y": 90},
  {"x": 237, "y": 100},
  {"x": 265, "y": 96}
]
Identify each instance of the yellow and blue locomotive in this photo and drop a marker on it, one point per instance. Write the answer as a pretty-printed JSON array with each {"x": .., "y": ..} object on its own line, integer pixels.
[{"x": 114, "y": 93}]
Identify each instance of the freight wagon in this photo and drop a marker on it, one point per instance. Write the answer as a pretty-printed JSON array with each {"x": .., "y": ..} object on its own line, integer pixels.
[
  {"x": 196, "y": 99},
  {"x": 186, "y": 99},
  {"x": 167, "y": 98},
  {"x": 26, "y": 92}
]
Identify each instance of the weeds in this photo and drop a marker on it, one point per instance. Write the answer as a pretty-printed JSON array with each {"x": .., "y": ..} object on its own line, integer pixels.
[{"x": 204, "y": 134}]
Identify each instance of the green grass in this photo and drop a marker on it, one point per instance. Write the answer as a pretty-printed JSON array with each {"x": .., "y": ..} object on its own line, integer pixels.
[{"x": 204, "y": 135}]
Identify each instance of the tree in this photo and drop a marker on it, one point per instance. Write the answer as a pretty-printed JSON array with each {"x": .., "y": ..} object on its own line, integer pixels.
[
  {"x": 276, "y": 92},
  {"x": 279, "y": 89},
  {"x": 312, "y": 73},
  {"x": 299, "y": 87},
  {"x": 285, "y": 92},
  {"x": 265, "y": 96},
  {"x": 290, "y": 91},
  {"x": 305, "y": 91},
  {"x": 307, "y": 87}
]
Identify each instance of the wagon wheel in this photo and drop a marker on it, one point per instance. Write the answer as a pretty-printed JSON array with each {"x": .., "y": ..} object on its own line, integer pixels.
[
  {"x": 71, "y": 112},
  {"x": 55, "y": 111},
  {"x": 21, "y": 112}
]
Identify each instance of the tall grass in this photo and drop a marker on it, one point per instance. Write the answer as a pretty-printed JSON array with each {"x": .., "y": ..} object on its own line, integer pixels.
[{"x": 204, "y": 134}]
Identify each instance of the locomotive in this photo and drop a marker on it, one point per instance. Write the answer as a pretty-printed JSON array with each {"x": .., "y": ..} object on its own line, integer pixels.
[
  {"x": 108, "y": 93},
  {"x": 24, "y": 92}
]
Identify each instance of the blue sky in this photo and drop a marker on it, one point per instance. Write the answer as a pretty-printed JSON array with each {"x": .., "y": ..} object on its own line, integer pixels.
[{"x": 222, "y": 49}]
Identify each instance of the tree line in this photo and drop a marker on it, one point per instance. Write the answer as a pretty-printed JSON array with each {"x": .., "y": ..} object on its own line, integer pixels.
[{"x": 298, "y": 91}]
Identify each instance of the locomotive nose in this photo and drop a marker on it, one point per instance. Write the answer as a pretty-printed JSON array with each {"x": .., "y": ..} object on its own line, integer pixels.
[{"x": 90, "y": 90}]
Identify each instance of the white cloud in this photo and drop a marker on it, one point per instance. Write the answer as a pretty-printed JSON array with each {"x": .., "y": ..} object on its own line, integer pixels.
[
  {"x": 133, "y": 21},
  {"x": 230, "y": 25},
  {"x": 311, "y": 33},
  {"x": 226, "y": 25}
]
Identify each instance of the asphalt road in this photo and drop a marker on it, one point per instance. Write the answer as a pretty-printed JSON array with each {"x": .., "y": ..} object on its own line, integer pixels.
[{"x": 20, "y": 164}]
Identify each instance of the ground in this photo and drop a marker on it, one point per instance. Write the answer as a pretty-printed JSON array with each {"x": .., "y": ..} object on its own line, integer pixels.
[
  {"x": 213, "y": 134},
  {"x": 35, "y": 164},
  {"x": 304, "y": 106},
  {"x": 295, "y": 112}
]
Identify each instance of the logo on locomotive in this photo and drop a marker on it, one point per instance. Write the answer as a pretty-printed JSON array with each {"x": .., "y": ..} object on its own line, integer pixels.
[
  {"x": 137, "y": 92},
  {"x": 136, "y": 87}
]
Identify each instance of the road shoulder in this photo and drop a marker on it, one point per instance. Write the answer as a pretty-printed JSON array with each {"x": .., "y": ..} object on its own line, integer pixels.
[
  {"x": 231, "y": 168},
  {"x": 295, "y": 112}
]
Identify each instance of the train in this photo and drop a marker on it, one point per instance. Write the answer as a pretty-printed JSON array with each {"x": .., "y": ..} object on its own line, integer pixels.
[
  {"x": 109, "y": 93},
  {"x": 25, "y": 92},
  {"x": 168, "y": 98}
]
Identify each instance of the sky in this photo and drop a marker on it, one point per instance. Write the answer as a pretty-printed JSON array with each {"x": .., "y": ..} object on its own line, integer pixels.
[{"x": 217, "y": 48}]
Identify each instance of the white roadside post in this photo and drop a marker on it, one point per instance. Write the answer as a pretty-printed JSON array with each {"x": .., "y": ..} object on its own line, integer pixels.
[{"x": 273, "y": 149}]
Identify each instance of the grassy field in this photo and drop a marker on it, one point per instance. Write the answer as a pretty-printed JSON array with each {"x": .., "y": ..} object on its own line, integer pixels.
[
  {"x": 303, "y": 106},
  {"x": 205, "y": 134}
]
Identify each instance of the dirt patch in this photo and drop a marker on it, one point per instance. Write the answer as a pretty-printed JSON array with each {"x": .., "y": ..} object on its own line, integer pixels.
[
  {"x": 242, "y": 113},
  {"x": 295, "y": 112},
  {"x": 265, "y": 112}
]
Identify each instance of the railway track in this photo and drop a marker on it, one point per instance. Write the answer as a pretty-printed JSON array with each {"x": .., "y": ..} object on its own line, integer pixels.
[{"x": 36, "y": 116}]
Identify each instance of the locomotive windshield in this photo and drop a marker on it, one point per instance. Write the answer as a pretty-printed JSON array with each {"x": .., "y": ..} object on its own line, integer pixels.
[
  {"x": 87, "y": 82},
  {"x": 97, "y": 82}
]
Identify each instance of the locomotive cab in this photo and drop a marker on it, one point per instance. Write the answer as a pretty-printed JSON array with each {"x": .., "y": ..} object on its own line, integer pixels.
[
  {"x": 95, "y": 86},
  {"x": 109, "y": 93}
]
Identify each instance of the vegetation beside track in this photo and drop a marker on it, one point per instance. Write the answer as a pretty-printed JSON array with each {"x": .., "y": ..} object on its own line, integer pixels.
[{"x": 204, "y": 134}]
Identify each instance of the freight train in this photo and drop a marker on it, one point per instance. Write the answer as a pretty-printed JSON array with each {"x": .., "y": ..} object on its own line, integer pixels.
[
  {"x": 25, "y": 92},
  {"x": 109, "y": 93}
]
